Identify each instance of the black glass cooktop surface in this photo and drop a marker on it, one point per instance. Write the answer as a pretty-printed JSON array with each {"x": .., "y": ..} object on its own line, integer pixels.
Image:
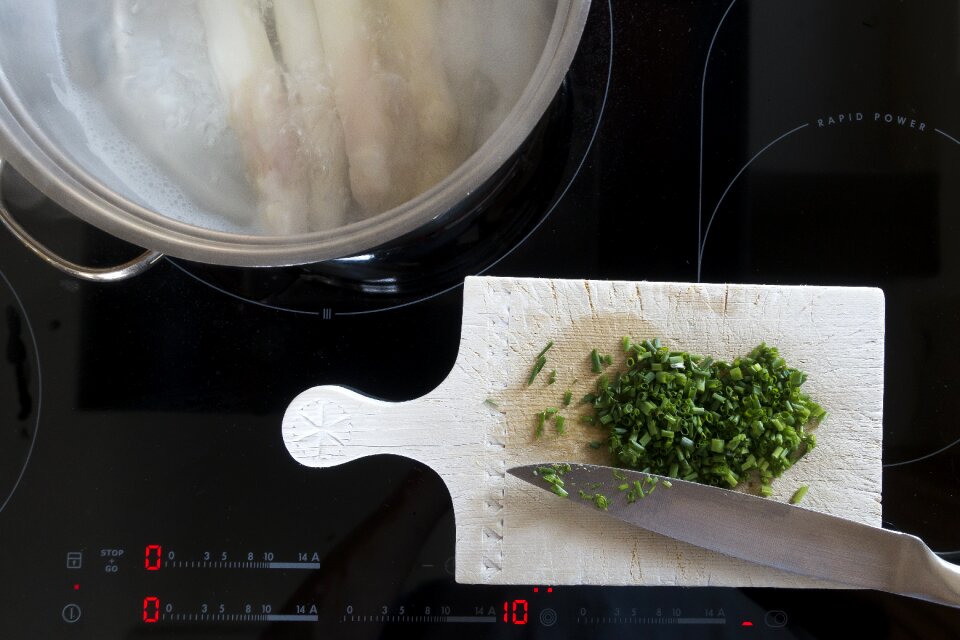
[{"x": 145, "y": 490}]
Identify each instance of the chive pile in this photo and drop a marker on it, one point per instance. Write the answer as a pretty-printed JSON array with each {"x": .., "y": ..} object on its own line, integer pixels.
[{"x": 687, "y": 416}]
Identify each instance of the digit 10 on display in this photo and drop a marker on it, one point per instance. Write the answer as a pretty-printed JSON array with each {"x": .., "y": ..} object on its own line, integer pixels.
[{"x": 515, "y": 612}]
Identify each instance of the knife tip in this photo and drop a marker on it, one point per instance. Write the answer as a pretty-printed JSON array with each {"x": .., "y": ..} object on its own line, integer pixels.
[
  {"x": 529, "y": 473},
  {"x": 516, "y": 471}
]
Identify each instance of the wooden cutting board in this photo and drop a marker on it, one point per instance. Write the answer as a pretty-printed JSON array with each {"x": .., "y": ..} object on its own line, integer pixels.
[{"x": 510, "y": 533}]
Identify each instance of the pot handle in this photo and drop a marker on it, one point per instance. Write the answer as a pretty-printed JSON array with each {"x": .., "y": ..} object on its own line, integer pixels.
[{"x": 93, "y": 274}]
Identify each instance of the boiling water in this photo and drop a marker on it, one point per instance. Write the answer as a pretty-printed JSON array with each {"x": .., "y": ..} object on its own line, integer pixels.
[{"x": 148, "y": 98}]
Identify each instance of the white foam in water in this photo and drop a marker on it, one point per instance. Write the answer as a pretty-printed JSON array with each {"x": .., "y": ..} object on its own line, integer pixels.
[
  {"x": 491, "y": 48},
  {"x": 153, "y": 113},
  {"x": 142, "y": 181}
]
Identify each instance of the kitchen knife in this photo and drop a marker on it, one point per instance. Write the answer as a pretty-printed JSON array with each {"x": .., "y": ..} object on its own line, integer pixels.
[{"x": 760, "y": 530}]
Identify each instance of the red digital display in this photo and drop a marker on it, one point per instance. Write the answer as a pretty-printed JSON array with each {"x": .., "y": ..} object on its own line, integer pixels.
[
  {"x": 151, "y": 609},
  {"x": 151, "y": 560},
  {"x": 515, "y": 612}
]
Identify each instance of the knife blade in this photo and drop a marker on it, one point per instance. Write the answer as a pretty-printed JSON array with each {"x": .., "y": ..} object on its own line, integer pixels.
[{"x": 784, "y": 536}]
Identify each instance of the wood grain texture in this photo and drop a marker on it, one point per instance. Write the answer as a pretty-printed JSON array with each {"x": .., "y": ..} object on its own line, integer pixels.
[{"x": 511, "y": 533}]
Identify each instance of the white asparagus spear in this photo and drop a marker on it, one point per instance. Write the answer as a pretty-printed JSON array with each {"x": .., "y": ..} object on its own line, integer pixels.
[
  {"x": 308, "y": 81},
  {"x": 251, "y": 81},
  {"x": 363, "y": 98},
  {"x": 413, "y": 29},
  {"x": 412, "y": 42}
]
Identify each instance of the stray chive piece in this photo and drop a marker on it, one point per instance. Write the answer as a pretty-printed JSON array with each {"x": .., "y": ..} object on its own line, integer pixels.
[
  {"x": 798, "y": 494},
  {"x": 558, "y": 422},
  {"x": 567, "y": 397},
  {"x": 541, "y": 420},
  {"x": 599, "y": 500},
  {"x": 537, "y": 367},
  {"x": 491, "y": 403},
  {"x": 552, "y": 475},
  {"x": 553, "y": 377},
  {"x": 545, "y": 349},
  {"x": 596, "y": 444},
  {"x": 595, "y": 365}
]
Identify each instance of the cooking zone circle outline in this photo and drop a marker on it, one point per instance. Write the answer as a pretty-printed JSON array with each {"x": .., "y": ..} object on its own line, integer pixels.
[{"x": 36, "y": 419}]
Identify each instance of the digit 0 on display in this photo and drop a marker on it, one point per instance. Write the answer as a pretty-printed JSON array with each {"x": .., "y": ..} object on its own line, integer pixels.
[
  {"x": 151, "y": 609},
  {"x": 151, "y": 559}
]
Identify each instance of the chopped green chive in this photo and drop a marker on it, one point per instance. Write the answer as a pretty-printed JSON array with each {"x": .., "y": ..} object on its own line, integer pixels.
[
  {"x": 558, "y": 423},
  {"x": 552, "y": 476},
  {"x": 595, "y": 365},
  {"x": 545, "y": 349},
  {"x": 798, "y": 494},
  {"x": 567, "y": 397},
  {"x": 553, "y": 377},
  {"x": 537, "y": 367},
  {"x": 685, "y": 416}
]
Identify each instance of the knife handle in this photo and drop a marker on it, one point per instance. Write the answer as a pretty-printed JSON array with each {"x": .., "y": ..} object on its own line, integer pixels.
[{"x": 924, "y": 575}]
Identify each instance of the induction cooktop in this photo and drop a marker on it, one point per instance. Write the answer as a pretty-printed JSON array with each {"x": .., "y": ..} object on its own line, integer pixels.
[{"x": 145, "y": 490}]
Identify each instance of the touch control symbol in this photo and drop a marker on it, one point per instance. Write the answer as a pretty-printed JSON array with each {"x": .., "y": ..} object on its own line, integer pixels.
[
  {"x": 74, "y": 559},
  {"x": 71, "y": 613},
  {"x": 776, "y": 618},
  {"x": 548, "y": 617}
]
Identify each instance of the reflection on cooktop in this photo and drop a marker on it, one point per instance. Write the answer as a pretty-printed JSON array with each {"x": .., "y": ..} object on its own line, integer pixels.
[
  {"x": 834, "y": 228},
  {"x": 19, "y": 392}
]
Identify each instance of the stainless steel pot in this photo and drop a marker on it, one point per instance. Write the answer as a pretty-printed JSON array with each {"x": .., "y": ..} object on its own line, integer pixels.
[{"x": 38, "y": 139}]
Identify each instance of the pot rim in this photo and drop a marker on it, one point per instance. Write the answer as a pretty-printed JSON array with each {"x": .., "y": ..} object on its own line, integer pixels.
[{"x": 24, "y": 144}]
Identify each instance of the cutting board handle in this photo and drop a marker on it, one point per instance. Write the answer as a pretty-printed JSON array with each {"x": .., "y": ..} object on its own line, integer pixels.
[{"x": 329, "y": 425}]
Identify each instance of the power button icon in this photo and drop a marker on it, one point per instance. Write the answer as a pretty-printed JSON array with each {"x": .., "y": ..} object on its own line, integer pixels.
[
  {"x": 71, "y": 613},
  {"x": 776, "y": 618}
]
